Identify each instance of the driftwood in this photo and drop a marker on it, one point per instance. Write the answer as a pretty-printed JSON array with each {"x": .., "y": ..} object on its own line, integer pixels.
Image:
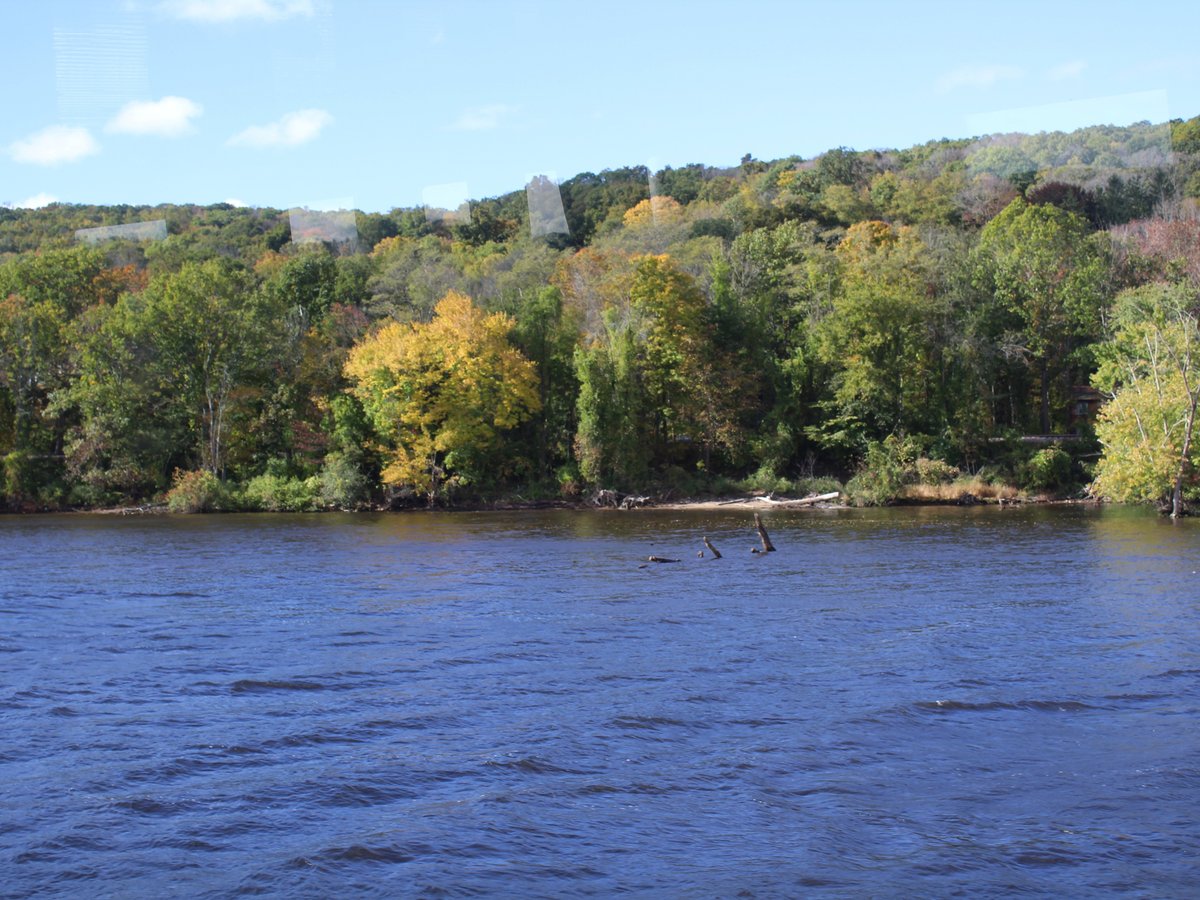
[
  {"x": 806, "y": 501},
  {"x": 713, "y": 550},
  {"x": 768, "y": 547},
  {"x": 771, "y": 501},
  {"x": 604, "y": 498}
]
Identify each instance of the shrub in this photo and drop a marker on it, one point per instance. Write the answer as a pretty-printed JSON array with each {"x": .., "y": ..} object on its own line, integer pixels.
[
  {"x": 17, "y": 468},
  {"x": 1047, "y": 470},
  {"x": 197, "y": 491},
  {"x": 678, "y": 480},
  {"x": 343, "y": 484},
  {"x": 766, "y": 480},
  {"x": 888, "y": 467},
  {"x": 274, "y": 493},
  {"x": 935, "y": 471},
  {"x": 570, "y": 482},
  {"x": 804, "y": 487},
  {"x": 91, "y": 495},
  {"x": 991, "y": 475}
]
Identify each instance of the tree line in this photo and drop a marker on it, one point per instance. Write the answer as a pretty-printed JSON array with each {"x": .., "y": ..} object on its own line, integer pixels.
[{"x": 880, "y": 316}]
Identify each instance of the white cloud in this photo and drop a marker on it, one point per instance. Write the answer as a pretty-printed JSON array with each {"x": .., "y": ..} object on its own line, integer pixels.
[
  {"x": 977, "y": 77},
  {"x": 168, "y": 117},
  {"x": 1067, "y": 70},
  {"x": 37, "y": 201},
  {"x": 291, "y": 130},
  {"x": 1117, "y": 109},
  {"x": 482, "y": 118},
  {"x": 330, "y": 204},
  {"x": 54, "y": 145},
  {"x": 234, "y": 201},
  {"x": 220, "y": 11}
]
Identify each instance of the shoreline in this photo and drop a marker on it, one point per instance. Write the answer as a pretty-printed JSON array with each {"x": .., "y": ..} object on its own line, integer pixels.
[{"x": 754, "y": 503}]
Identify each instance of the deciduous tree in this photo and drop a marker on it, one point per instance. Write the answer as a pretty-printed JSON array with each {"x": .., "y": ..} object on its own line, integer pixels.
[
  {"x": 1042, "y": 264},
  {"x": 441, "y": 393},
  {"x": 1152, "y": 370}
]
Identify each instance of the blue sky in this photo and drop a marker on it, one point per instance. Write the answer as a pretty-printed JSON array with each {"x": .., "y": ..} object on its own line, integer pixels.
[{"x": 376, "y": 104}]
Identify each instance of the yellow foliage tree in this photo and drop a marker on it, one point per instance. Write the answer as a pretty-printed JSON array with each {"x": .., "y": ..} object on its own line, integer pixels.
[
  {"x": 440, "y": 393},
  {"x": 1151, "y": 368},
  {"x": 654, "y": 211}
]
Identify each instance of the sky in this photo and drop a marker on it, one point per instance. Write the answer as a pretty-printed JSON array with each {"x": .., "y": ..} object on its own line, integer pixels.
[{"x": 374, "y": 104}]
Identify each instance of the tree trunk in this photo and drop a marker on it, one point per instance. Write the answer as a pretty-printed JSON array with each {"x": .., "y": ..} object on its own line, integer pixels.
[
  {"x": 768, "y": 547},
  {"x": 1045, "y": 390},
  {"x": 1177, "y": 492}
]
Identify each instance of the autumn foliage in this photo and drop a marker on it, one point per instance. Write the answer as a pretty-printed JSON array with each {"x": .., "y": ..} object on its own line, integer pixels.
[{"x": 440, "y": 393}]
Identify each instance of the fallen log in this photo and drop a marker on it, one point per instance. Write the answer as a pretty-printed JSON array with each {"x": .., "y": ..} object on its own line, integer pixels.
[
  {"x": 768, "y": 547},
  {"x": 713, "y": 550},
  {"x": 806, "y": 501}
]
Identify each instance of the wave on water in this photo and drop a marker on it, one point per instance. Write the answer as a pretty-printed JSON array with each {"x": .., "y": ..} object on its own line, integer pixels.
[
  {"x": 1177, "y": 673},
  {"x": 252, "y": 686},
  {"x": 949, "y": 706},
  {"x": 532, "y": 765}
]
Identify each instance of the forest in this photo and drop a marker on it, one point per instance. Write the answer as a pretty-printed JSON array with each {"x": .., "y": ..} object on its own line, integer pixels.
[{"x": 1007, "y": 316}]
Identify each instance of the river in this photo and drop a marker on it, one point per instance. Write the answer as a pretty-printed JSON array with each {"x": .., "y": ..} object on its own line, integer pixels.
[{"x": 914, "y": 702}]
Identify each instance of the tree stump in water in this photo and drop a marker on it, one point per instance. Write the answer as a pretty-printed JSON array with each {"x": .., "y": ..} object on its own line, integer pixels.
[{"x": 768, "y": 547}]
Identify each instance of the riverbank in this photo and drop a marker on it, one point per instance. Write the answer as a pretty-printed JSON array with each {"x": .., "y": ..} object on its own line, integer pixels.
[{"x": 750, "y": 502}]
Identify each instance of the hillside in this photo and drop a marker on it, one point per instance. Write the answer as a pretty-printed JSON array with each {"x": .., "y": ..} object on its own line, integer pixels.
[{"x": 768, "y": 322}]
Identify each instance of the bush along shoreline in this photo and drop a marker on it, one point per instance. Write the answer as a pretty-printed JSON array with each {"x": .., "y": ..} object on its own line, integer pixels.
[{"x": 893, "y": 474}]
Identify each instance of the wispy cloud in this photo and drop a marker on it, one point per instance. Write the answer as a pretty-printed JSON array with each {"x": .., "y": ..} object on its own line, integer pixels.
[
  {"x": 291, "y": 130},
  {"x": 54, "y": 145},
  {"x": 168, "y": 117},
  {"x": 219, "y": 11},
  {"x": 1116, "y": 109},
  {"x": 37, "y": 201},
  {"x": 977, "y": 77},
  {"x": 482, "y": 118},
  {"x": 1067, "y": 70}
]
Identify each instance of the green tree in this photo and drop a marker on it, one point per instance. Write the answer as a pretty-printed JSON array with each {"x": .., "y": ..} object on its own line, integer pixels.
[
  {"x": 694, "y": 390},
  {"x": 610, "y": 444},
  {"x": 882, "y": 336},
  {"x": 173, "y": 357},
  {"x": 304, "y": 286},
  {"x": 40, "y": 296},
  {"x": 654, "y": 386},
  {"x": 767, "y": 288},
  {"x": 547, "y": 333},
  {"x": 1046, "y": 270}
]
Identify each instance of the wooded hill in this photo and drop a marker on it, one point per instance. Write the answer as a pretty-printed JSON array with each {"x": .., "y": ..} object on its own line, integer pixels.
[{"x": 906, "y": 311}]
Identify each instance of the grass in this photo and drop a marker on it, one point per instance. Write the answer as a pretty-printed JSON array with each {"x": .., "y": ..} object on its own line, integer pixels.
[{"x": 951, "y": 492}]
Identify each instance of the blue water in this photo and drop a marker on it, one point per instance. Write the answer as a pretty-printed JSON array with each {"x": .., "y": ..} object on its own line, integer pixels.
[{"x": 908, "y": 702}]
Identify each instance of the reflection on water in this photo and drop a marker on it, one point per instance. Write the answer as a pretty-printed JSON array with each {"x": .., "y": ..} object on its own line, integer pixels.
[{"x": 897, "y": 702}]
